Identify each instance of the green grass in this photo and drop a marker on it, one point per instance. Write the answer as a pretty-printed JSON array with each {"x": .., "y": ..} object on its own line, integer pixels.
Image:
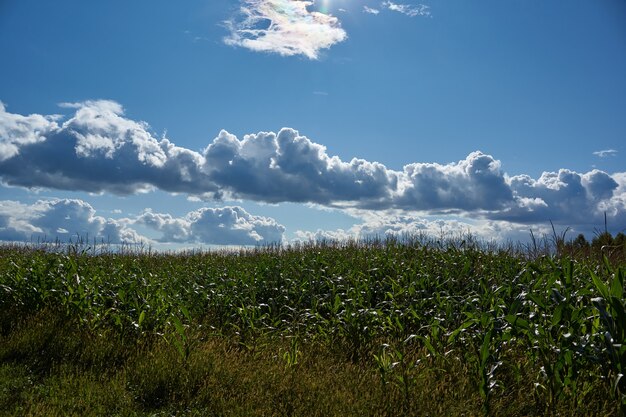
[{"x": 378, "y": 328}]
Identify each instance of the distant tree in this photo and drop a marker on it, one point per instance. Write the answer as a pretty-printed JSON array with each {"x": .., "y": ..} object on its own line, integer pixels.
[
  {"x": 601, "y": 240},
  {"x": 580, "y": 243}
]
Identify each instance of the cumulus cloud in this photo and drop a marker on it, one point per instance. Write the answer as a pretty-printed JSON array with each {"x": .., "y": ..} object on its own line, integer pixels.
[
  {"x": 392, "y": 223},
  {"x": 95, "y": 150},
  {"x": 565, "y": 197},
  {"x": 407, "y": 9},
  {"x": 285, "y": 27},
  {"x": 61, "y": 219},
  {"x": 218, "y": 226},
  {"x": 66, "y": 219},
  {"x": 605, "y": 153},
  {"x": 17, "y": 131},
  {"x": 337, "y": 235},
  {"x": 471, "y": 184},
  {"x": 286, "y": 166},
  {"x": 98, "y": 149}
]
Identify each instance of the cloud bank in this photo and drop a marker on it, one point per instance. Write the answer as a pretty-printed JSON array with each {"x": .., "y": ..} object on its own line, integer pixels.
[
  {"x": 217, "y": 226},
  {"x": 98, "y": 149},
  {"x": 285, "y": 27},
  {"x": 67, "y": 219},
  {"x": 60, "y": 219},
  {"x": 382, "y": 224}
]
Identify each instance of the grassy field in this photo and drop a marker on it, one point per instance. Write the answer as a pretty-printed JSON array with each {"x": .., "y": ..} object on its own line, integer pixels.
[{"x": 378, "y": 328}]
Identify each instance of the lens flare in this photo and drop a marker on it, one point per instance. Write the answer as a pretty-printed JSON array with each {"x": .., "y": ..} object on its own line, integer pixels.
[{"x": 324, "y": 6}]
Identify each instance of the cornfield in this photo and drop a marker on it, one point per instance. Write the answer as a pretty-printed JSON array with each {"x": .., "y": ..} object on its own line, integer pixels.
[{"x": 360, "y": 328}]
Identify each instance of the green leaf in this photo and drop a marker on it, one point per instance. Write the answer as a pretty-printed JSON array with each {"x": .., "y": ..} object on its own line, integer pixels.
[
  {"x": 337, "y": 303},
  {"x": 462, "y": 327},
  {"x": 538, "y": 301},
  {"x": 600, "y": 286},
  {"x": 518, "y": 322},
  {"x": 558, "y": 314},
  {"x": 185, "y": 312},
  {"x": 617, "y": 285},
  {"x": 179, "y": 346},
  {"x": 619, "y": 318},
  {"x": 428, "y": 345},
  {"x": 178, "y": 325},
  {"x": 484, "y": 349},
  {"x": 142, "y": 316},
  {"x": 515, "y": 306},
  {"x": 569, "y": 272},
  {"x": 607, "y": 263}
]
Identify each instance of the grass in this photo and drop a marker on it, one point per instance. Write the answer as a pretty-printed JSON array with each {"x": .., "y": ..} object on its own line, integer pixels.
[{"x": 381, "y": 328}]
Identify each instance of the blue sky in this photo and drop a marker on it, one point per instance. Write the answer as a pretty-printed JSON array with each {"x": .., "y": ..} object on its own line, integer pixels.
[{"x": 129, "y": 119}]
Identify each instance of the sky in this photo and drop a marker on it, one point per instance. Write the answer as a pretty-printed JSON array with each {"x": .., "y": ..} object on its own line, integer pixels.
[{"x": 207, "y": 123}]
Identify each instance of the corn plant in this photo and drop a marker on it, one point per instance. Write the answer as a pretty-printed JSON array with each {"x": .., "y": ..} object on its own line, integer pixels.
[
  {"x": 559, "y": 321},
  {"x": 612, "y": 308}
]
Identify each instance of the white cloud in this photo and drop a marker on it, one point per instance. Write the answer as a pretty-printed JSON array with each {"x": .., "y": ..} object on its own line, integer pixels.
[
  {"x": 101, "y": 129},
  {"x": 62, "y": 219},
  {"x": 285, "y": 27},
  {"x": 565, "y": 197},
  {"x": 605, "y": 153},
  {"x": 285, "y": 166},
  {"x": 370, "y": 10},
  {"x": 407, "y": 9},
  {"x": 476, "y": 183},
  {"x": 392, "y": 223},
  {"x": 17, "y": 131},
  {"x": 217, "y": 226},
  {"x": 98, "y": 149}
]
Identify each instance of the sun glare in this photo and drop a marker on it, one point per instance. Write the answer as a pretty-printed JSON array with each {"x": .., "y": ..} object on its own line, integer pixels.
[{"x": 324, "y": 6}]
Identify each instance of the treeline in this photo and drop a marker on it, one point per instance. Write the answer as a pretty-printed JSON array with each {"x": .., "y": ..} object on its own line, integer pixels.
[{"x": 603, "y": 244}]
